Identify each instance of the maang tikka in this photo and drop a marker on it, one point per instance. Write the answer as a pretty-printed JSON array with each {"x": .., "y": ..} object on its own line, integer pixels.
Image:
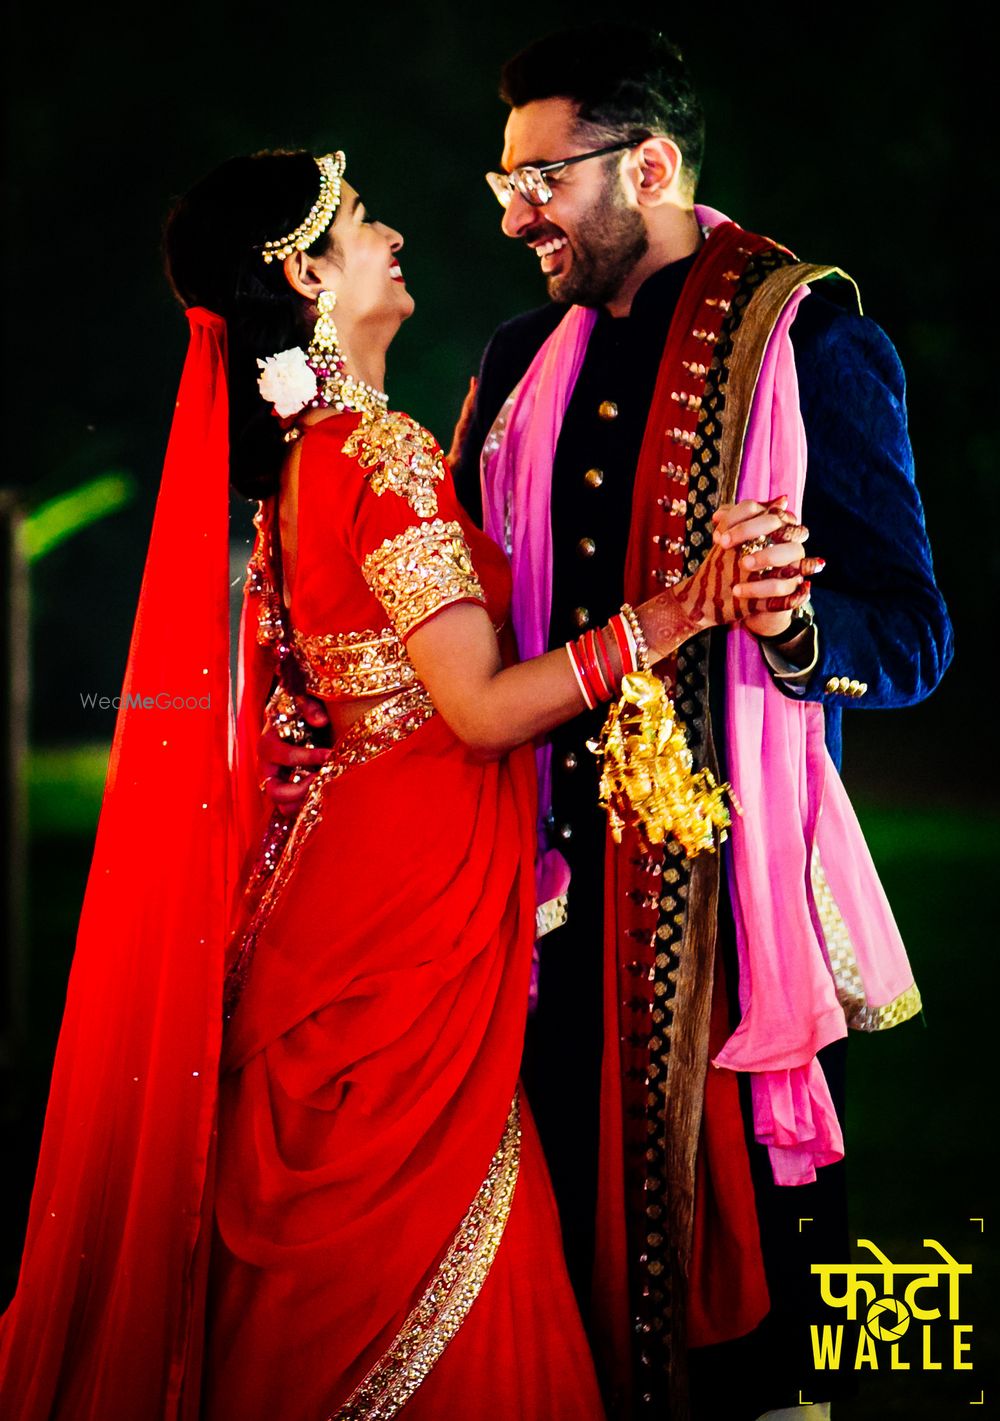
[{"x": 335, "y": 389}]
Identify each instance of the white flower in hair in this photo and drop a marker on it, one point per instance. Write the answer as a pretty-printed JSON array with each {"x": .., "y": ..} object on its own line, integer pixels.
[{"x": 287, "y": 381}]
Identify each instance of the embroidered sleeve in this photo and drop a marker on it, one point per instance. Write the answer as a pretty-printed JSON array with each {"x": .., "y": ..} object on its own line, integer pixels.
[
  {"x": 419, "y": 571},
  {"x": 399, "y": 456}
]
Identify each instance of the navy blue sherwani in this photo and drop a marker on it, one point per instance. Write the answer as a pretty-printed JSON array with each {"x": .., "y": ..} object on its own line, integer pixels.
[{"x": 884, "y": 640}]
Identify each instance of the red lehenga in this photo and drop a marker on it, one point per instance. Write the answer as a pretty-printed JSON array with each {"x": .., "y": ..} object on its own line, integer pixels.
[
  {"x": 385, "y": 1236},
  {"x": 385, "y": 1229}
]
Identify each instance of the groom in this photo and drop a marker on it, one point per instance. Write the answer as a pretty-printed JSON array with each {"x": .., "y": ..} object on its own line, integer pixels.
[{"x": 600, "y": 163}]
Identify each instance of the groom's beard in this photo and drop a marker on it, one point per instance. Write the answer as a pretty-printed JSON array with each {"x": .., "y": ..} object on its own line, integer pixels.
[{"x": 610, "y": 240}]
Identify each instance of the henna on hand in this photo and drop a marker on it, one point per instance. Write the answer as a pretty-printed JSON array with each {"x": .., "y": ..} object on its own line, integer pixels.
[
  {"x": 706, "y": 596},
  {"x": 732, "y": 585},
  {"x": 762, "y": 615},
  {"x": 668, "y": 621},
  {"x": 791, "y": 531},
  {"x": 753, "y": 606}
]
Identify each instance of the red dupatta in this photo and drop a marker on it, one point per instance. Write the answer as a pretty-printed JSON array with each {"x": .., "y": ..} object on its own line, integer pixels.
[{"x": 107, "y": 1318}]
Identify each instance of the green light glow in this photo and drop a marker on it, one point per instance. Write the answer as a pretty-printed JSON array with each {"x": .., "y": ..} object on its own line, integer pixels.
[{"x": 52, "y": 522}]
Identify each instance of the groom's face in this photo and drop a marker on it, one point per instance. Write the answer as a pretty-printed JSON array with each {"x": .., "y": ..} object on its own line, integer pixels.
[{"x": 589, "y": 236}]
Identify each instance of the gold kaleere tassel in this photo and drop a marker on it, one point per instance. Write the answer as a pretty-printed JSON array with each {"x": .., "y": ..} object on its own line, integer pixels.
[{"x": 648, "y": 769}]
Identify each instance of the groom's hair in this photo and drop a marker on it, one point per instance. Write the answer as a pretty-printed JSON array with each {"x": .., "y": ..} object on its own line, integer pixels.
[{"x": 628, "y": 83}]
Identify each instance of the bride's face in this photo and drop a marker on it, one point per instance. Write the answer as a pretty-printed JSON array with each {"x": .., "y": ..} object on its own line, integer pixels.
[{"x": 368, "y": 281}]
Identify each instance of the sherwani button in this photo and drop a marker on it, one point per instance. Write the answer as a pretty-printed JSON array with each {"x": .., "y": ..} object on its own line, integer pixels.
[
  {"x": 844, "y": 685},
  {"x": 586, "y": 547},
  {"x": 832, "y": 686},
  {"x": 593, "y": 478},
  {"x": 607, "y": 409},
  {"x": 581, "y": 615},
  {"x": 569, "y": 761},
  {"x": 862, "y": 688},
  {"x": 565, "y": 831}
]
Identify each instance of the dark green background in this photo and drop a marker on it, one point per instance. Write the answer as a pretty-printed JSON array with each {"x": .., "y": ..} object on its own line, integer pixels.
[{"x": 855, "y": 136}]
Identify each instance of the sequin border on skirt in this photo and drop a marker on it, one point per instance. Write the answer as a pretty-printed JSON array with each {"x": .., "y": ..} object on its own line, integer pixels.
[{"x": 445, "y": 1303}]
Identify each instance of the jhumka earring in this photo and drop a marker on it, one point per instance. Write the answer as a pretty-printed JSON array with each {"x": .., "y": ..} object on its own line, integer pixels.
[{"x": 335, "y": 389}]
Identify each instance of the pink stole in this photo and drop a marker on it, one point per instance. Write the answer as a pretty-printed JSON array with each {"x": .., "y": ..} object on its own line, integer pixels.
[
  {"x": 517, "y": 496},
  {"x": 817, "y": 944},
  {"x": 797, "y": 828}
]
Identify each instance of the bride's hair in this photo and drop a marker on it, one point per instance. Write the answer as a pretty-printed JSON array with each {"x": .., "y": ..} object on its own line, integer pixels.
[{"x": 212, "y": 253}]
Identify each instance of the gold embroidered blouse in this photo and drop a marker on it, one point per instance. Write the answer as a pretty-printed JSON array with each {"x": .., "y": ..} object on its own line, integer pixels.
[
  {"x": 421, "y": 570},
  {"x": 373, "y": 561}
]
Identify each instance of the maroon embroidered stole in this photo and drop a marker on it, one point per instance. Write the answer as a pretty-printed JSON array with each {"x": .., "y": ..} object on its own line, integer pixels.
[{"x": 661, "y": 909}]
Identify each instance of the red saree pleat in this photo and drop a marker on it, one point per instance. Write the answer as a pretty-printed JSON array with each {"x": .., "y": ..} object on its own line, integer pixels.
[{"x": 611, "y": 1306}]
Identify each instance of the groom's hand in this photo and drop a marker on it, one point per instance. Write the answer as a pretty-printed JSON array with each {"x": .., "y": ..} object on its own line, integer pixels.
[
  {"x": 462, "y": 427},
  {"x": 286, "y": 768}
]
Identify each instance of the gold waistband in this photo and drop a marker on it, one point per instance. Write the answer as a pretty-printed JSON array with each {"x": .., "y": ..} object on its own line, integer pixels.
[
  {"x": 346, "y": 665},
  {"x": 379, "y": 729}
]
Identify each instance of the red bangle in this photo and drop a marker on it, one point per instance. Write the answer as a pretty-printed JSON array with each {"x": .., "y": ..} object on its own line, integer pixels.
[
  {"x": 590, "y": 668},
  {"x": 594, "y": 667},
  {"x": 604, "y": 656},
  {"x": 617, "y": 626},
  {"x": 588, "y": 671}
]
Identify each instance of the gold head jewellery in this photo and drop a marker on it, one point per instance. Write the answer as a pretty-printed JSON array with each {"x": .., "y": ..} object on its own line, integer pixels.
[{"x": 321, "y": 214}]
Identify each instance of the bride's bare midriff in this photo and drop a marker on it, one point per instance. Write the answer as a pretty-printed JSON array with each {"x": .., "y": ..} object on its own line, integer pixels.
[{"x": 342, "y": 714}]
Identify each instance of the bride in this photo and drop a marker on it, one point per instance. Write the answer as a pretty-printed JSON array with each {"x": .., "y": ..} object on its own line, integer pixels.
[{"x": 287, "y": 1168}]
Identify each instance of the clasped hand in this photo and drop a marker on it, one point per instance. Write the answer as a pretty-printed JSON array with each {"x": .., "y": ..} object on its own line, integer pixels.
[{"x": 757, "y": 587}]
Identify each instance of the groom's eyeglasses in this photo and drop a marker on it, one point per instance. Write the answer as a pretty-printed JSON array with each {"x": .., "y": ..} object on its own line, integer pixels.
[{"x": 529, "y": 181}]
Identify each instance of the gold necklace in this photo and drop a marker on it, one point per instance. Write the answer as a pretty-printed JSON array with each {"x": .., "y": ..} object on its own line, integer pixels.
[{"x": 343, "y": 392}]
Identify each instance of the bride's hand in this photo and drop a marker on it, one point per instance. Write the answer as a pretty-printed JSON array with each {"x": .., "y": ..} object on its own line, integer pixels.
[{"x": 755, "y": 572}]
